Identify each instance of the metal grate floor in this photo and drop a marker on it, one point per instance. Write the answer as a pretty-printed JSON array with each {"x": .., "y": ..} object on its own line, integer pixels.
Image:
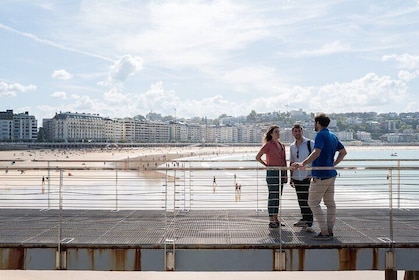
[{"x": 202, "y": 228}]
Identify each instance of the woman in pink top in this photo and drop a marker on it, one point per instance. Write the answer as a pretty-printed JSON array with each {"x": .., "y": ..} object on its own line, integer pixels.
[{"x": 274, "y": 152}]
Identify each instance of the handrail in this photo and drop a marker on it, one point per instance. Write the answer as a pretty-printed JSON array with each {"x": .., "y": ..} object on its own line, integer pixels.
[{"x": 187, "y": 185}]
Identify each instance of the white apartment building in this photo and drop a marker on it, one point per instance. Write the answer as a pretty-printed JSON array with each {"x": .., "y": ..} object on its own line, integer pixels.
[
  {"x": 152, "y": 132},
  {"x": 195, "y": 133},
  {"x": 179, "y": 132},
  {"x": 25, "y": 127},
  {"x": 345, "y": 135},
  {"x": 74, "y": 127},
  {"x": 363, "y": 136},
  {"x": 6, "y": 125},
  {"x": 18, "y": 127},
  {"x": 228, "y": 134}
]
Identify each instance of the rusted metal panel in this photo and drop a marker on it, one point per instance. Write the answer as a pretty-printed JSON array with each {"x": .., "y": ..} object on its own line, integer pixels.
[
  {"x": 27, "y": 258},
  {"x": 104, "y": 259},
  {"x": 336, "y": 259},
  {"x": 347, "y": 258},
  {"x": 233, "y": 259},
  {"x": 12, "y": 258},
  {"x": 225, "y": 260}
]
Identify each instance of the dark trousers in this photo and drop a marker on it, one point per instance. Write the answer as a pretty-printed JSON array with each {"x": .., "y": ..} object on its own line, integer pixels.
[
  {"x": 302, "y": 187},
  {"x": 273, "y": 180}
]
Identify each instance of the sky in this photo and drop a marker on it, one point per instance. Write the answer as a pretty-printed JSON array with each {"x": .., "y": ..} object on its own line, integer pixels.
[{"x": 122, "y": 58}]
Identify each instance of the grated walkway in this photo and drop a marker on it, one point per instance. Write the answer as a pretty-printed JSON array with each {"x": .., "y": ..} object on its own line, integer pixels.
[{"x": 202, "y": 228}]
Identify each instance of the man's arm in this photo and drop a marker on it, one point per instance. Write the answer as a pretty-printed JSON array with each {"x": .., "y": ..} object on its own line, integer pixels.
[
  {"x": 312, "y": 157},
  {"x": 341, "y": 154}
]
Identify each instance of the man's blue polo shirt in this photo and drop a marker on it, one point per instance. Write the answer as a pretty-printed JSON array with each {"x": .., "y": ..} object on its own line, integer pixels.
[{"x": 329, "y": 144}]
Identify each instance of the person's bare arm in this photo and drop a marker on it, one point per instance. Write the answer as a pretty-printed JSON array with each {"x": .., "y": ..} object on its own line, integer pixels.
[
  {"x": 341, "y": 154},
  {"x": 312, "y": 157},
  {"x": 259, "y": 157}
]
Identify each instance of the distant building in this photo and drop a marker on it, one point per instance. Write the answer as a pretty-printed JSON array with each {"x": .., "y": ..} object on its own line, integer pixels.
[
  {"x": 391, "y": 125},
  {"x": 6, "y": 125},
  {"x": 18, "y": 127},
  {"x": 74, "y": 127},
  {"x": 363, "y": 136},
  {"x": 345, "y": 135},
  {"x": 81, "y": 127}
]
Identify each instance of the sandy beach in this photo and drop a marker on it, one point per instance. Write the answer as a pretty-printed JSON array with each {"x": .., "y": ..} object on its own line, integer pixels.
[
  {"x": 26, "y": 166},
  {"x": 91, "y": 157}
]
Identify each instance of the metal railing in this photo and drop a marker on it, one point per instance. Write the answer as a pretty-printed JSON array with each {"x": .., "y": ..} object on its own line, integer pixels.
[
  {"x": 194, "y": 184},
  {"x": 189, "y": 185}
]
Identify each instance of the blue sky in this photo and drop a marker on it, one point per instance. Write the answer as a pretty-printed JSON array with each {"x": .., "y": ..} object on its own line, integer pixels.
[{"x": 206, "y": 58}]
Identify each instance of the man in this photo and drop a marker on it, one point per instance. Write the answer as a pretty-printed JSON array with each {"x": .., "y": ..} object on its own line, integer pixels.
[
  {"x": 300, "y": 178},
  {"x": 326, "y": 144}
]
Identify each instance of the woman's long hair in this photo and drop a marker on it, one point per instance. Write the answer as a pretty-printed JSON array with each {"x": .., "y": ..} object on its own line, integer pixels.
[{"x": 268, "y": 135}]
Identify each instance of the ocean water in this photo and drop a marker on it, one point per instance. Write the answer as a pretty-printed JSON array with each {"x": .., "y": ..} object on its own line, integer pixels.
[{"x": 368, "y": 177}]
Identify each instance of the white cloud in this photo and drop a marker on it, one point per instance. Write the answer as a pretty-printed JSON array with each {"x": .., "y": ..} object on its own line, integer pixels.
[
  {"x": 127, "y": 66},
  {"x": 59, "y": 94},
  {"x": 249, "y": 79},
  {"x": 115, "y": 97},
  {"x": 173, "y": 33},
  {"x": 369, "y": 93},
  {"x": 7, "y": 89},
  {"x": 61, "y": 75},
  {"x": 158, "y": 99},
  {"x": 404, "y": 61},
  {"x": 212, "y": 57},
  {"x": 407, "y": 76}
]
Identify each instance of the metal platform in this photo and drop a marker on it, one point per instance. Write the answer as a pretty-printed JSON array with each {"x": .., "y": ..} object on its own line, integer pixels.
[{"x": 204, "y": 240}]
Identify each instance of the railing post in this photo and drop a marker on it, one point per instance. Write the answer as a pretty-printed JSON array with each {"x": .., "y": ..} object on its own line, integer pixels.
[
  {"x": 60, "y": 262},
  {"x": 398, "y": 184},
  {"x": 391, "y": 204},
  {"x": 257, "y": 188},
  {"x": 116, "y": 190},
  {"x": 390, "y": 273},
  {"x": 174, "y": 192},
  {"x": 49, "y": 184}
]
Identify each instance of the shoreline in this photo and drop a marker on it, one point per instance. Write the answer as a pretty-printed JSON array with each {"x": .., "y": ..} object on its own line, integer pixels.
[{"x": 34, "y": 163}]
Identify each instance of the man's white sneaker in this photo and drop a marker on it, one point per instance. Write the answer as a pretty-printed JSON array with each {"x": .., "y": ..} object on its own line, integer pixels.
[
  {"x": 300, "y": 223},
  {"x": 309, "y": 229},
  {"x": 322, "y": 237}
]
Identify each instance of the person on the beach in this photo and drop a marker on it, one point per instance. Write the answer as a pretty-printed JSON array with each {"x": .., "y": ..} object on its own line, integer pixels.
[
  {"x": 214, "y": 184},
  {"x": 300, "y": 179},
  {"x": 326, "y": 144},
  {"x": 274, "y": 152}
]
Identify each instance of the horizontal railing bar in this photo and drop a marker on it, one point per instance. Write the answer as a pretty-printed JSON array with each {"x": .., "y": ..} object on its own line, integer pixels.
[
  {"x": 134, "y": 159},
  {"x": 382, "y": 167}
]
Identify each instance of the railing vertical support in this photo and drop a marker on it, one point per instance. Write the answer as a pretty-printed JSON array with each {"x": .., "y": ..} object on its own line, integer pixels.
[
  {"x": 61, "y": 259},
  {"x": 280, "y": 260},
  {"x": 116, "y": 190},
  {"x": 49, "y": 184},
  {"x": 391, "y": 205},
  {"x": 390, "y": 273},
  {"x": 398, "y": 184},
  {"x": 169, "y": 255}
]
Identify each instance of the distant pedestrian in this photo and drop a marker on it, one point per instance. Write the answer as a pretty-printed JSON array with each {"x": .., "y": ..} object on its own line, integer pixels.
[
  {"x": 214, "y": 184},
  {"x": 326, "y": 144}
]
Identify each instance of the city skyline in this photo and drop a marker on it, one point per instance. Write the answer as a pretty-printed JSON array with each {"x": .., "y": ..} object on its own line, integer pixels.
[{"x": 206, "y": 58}]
